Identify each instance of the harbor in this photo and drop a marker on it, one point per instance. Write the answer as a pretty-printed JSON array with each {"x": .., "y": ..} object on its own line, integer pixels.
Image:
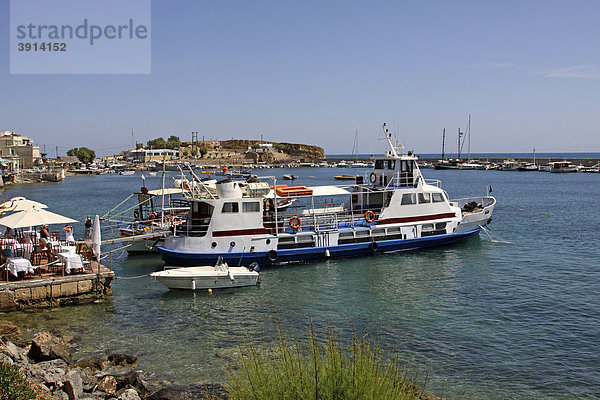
[{"x": 443, "y": 303}]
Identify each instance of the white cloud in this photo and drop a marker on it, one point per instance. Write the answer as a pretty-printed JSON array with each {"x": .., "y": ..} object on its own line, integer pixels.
[{"x": 578, "y": 72}]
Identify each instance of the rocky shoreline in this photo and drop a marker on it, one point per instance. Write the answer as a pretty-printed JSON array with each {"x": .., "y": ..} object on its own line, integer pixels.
[{"x": 47, "y": 362}]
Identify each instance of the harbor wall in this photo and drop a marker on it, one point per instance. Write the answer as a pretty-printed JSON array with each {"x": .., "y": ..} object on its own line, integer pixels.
[{"x": 55, "y": 292}]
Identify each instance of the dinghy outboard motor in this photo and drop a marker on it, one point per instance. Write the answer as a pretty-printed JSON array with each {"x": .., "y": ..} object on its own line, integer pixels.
[{"x": 254, "y": 267}]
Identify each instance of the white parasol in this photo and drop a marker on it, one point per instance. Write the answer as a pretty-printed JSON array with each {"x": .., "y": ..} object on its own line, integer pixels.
[
  {"x": 96, "y": 238},
  {"x": 20, "y": 204},
  {"x": 33, "y": 217}
]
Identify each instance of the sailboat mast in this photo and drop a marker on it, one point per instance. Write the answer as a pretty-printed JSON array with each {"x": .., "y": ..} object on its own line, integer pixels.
[
  {"x": 469, "y": 133},
  {"x": 459, "y": 134},
  {"x": 443, "y": 143}
]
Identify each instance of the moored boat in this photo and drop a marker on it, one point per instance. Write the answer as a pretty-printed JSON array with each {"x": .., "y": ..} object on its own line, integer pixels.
[
  {"x": 395, "y": 209},
  {"x": 562, "y": 167},
  {"x": 345, "y": 177},
  {"x": 219, "y": 276}
]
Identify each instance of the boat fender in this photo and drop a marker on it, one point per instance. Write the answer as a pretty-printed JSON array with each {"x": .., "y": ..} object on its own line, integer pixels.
[
  {"x": 136, "y": 215},
  {"x": 254, "y": 267},
  {"x": 373, "y": 177},
  {"x": 373, "y": 246},
  {"x": 369, "y": 216},
  {"x": 272, "y": 255},
  {"x": 295, "y": 222}
]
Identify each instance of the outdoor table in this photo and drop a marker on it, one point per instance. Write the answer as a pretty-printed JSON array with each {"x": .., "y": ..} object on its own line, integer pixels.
[
  {"x": 72, "y": 261},
  {"x": 18, "y": 264}
]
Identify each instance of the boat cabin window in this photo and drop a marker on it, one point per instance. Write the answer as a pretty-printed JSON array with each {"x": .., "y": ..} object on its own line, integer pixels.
[
  {"x": 230, "y": 208},
  {"x": 253, "y": 206},
  {"x": 409, "y": 198},
  {"x": 424, "y": 198},
  {"x": 379, "y": 164},
  {"x": 437, "y": 197}
]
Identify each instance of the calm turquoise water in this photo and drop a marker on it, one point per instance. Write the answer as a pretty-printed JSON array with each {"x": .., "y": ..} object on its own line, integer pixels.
[{"x": 488, "y": 320}]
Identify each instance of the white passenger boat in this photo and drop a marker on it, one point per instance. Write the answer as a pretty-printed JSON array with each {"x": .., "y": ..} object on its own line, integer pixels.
[
  {"x": 392, "y": 208},
  {"x": 207, "y": 277}
]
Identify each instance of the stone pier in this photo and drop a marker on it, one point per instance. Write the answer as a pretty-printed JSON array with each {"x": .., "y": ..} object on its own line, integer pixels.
[{"x": 56, "y": 290}]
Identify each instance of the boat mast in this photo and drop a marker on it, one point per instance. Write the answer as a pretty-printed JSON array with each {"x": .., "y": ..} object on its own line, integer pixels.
[
  {"x": 355, "y": 146},
  {"x": 534, "y": 156},
  {"x": 459, "y": 135},
  {"x": 388, "y": 137},
  {"x": 443, "y": 143},
  {"x": 469, "y": 133}
]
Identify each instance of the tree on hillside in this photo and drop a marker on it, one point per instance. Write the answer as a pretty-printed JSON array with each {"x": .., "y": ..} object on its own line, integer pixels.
[
  {"x": 84, "y": 154},
  {"x": 173, "y": 142},
  {"x": 158, "y": 143},
  {"x": 202, "y": 150}
]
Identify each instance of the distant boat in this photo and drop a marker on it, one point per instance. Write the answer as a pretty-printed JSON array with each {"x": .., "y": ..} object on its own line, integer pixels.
[
  {"x": 509, "y": 165},
  {"x": 289, "y": 177},
  {"x": 206, "y": 277},
  {"x": 562, "y": 167},
  {"x": 345, "y": 177},
  {"x": 528, "y": 167},
  {"x": 152, "y": 173},
  {"x": 127, "y": 172}
]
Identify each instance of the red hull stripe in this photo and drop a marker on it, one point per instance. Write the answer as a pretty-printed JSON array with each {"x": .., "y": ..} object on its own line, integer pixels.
[
  {"x": 239, "y": 232},
  {"x": 415, "y": 219}
]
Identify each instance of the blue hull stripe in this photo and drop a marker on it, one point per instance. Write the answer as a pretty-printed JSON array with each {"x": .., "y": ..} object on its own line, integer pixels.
[{"x": 179, "y": 258}]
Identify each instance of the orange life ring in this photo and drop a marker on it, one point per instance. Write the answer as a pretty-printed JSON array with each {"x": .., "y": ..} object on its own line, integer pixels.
[
  {"x": 295, "y": 222},
  {"x": 373, "y": 177},
  {"x": 369, "y": 216}
]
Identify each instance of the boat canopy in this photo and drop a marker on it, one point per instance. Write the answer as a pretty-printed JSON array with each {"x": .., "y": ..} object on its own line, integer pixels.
[
  {"x": 321, "y": 191},
  {"x": 168, "y": 191}
]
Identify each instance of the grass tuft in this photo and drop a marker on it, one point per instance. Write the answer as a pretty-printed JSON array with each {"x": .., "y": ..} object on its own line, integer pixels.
[
  {"x": 322, "y": 370},
  {"x": 13, "y": 385}
]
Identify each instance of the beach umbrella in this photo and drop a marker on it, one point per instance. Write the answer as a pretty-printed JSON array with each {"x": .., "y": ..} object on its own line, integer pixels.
[
  {"x": 96, "y": 238},
  {"x": 19, "y": 204},
  {"x": 33, "y": 217}
]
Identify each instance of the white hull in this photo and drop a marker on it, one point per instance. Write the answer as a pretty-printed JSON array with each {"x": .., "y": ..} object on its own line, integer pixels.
[{"x": 193, "y": 278}]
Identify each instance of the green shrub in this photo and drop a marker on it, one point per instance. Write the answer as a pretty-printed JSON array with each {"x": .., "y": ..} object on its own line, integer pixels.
[
  {"x": 322, "y": 371},
  {"x": 13, "y": 385}
]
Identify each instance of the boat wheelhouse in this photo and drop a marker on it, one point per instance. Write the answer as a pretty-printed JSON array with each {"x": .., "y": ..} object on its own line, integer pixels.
[{"x": 392, "y": 208}]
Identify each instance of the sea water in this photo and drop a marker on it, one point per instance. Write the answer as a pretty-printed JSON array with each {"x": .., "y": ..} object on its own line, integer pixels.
[{"x": 509, "y": 315}]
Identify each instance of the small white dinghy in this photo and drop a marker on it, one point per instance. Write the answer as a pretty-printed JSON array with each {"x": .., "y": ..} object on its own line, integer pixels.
[{"x": 207, "y": 277}]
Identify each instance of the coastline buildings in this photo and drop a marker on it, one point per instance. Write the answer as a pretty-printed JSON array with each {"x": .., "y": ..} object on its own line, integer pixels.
[{"x": 18, "y": 152}]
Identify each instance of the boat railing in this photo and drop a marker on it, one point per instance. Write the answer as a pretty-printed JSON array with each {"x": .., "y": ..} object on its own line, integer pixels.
[
  {"x": 323, "y": 221},
  {"x": 485, "y": 201},
  {"x": 434, "y": 182}
]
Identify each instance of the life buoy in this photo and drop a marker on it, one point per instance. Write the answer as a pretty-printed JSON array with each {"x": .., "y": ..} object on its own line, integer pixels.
[
  {"x": 272, "y": 255},
  {"x": 295, "y": 222},
  {"x": 369, "y": 216},
  {"x": 373, "y": 246},
  {"x": 136, "y": 215},
  {"x": 151, "y": 216},
  {"x": 373, "y": 177}
]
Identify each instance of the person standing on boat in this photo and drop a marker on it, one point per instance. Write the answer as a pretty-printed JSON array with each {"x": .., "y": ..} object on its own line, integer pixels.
[{"x": 88, "y": 227}]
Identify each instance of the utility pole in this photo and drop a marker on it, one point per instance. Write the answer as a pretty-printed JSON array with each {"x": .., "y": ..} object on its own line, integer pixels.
[{"x": 56, "y": 151}]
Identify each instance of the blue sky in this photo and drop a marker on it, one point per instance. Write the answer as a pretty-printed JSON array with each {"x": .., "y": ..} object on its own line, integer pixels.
[{"x": 314, "y": 72}]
